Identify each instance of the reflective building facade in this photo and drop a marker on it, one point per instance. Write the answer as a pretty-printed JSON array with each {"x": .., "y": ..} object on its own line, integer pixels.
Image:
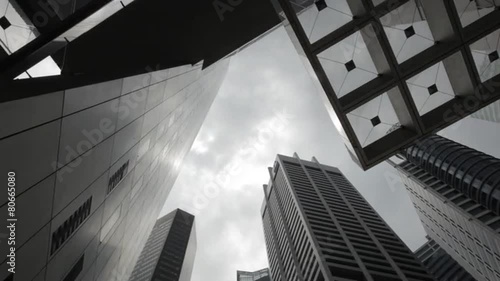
[
  {"x": 440, "y": 264},
  {"x": 468, "y": 231},
  {"x": 94, "y": 167},
  {"x": 317, "y": 227},
  {"x": 260, "y": 275},
  {"x": 100, "y": 100},
  {"x": 392, "y": 72},
  {"x": 170, "y": 250}
]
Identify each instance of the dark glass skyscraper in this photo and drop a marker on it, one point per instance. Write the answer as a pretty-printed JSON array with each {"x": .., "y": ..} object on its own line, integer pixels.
[
  {"x": 440, "y": 264},
  {"x": 318, "y": 227},
  {"x": 260, "y": 275},
  {"x": 170, "y": 250}
]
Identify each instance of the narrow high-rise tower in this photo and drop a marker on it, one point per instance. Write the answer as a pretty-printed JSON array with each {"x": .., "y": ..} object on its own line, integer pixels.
[
  {"x": 318, "y": 227},
  {"x": 170, "y": 250},
  {"x": 455, "y": 192}
]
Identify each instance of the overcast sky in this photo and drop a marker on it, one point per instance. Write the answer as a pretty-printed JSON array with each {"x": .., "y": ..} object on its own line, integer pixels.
[{"x": 268, "y": 105}]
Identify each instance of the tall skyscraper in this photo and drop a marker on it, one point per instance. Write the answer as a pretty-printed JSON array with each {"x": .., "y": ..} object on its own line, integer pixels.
[
  {"x": 466, "y": 229},
  {"x": 94, "y": 166},
  {"x": 100, "y": 101},
  {"x": 260, "y": 275},
  {"x": 170, "y": 250},
  {"x": 392, "y": 72},
  {"x": 441, "y": 265},
  {"x": 318, "y": 227},
  {"x": 468, "y": 171}
]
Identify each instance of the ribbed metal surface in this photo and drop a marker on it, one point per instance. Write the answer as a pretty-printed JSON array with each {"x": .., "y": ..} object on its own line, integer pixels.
[{"x": 469, "y": 171}]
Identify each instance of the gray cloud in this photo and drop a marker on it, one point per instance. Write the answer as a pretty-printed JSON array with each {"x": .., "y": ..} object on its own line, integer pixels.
[{"x": 263, "y": 80}]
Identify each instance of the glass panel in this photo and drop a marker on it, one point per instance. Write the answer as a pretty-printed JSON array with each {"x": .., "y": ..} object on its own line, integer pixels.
[
  {"x": 373, "y": 120},
  {"x": 486, "y": 55},
  {"x": 430, "y": 88},
  {"x": 46, "y": 67},
  {"x": 348, "y": 64},
  {"x": 324, "y": 17},
  {"x": 470, "y": 11},
  {"x": 407, "y": 31}
]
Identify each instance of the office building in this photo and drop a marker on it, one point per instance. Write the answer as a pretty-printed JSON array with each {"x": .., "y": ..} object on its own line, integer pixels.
[
  {"x": 94, "y": 166},
  {"x": 170, "y": 250},
  {"x": 317, "y": 226},
  {"x": 441, "y": 265},
  {"x": 392, "y": 72},
  {"x": 490, "y": 113},
  {"x": 100, "y": 101},
  {"x": 260, "y": 275},
  {"x": 467, "y": 230},
  {"x": 468, "y": 171}
]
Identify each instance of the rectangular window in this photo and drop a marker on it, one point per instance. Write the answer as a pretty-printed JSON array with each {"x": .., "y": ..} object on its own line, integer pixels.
[
  {"x": 115, "y": 179},
  {"x": 68, "y": 227},
  {"x": 75, "y": 271}
]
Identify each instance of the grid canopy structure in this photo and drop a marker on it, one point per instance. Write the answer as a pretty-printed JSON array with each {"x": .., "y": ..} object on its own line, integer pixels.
[{"x": 395, "y": 71}]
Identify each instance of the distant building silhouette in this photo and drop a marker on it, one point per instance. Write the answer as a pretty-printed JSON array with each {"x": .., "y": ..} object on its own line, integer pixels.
[{"x": 170, "y": 250}]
